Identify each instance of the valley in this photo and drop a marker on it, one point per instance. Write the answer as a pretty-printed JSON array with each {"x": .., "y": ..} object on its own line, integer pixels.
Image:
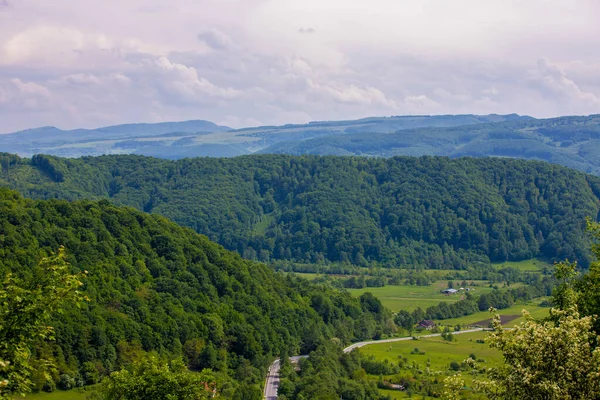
[
  {"x": 299, "y": 200},
  {"x": 331, "y": 251}
]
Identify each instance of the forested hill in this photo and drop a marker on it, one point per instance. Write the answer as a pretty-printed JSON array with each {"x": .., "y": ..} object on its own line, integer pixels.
[
  {"x": 430, "y": 211},
  {"x": 157, "y": 287}
]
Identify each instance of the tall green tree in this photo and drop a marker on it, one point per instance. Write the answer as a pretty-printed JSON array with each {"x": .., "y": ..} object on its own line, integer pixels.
[
  {"x": 154, "y": 379},
  {"x": 26, "y": 307}
]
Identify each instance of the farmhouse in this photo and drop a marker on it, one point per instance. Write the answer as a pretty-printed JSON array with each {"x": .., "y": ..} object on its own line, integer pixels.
[
  {"x": 426, "y": 324},
  {"x": 449, "y": 291}
]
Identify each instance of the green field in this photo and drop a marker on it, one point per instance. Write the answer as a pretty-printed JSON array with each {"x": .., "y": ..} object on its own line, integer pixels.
[
  {"x": 410, "y": 297},
  {"x": 534, "y": 309},
  {"x": 438, "y": 353},
  {"x": 308, "y": 275},
  {"x": 76, "y": 394},
  {"x": 533, "y": 265}
]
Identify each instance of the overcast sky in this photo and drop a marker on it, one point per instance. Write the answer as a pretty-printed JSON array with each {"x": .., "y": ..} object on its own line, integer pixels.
[{"x": 90, "y": 63}]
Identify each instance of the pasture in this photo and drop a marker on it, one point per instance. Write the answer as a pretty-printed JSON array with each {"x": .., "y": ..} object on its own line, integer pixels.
[
  {"x": 407, "y": 297},
  {"x": 532, "y": 307},
  {"x": 434, "y": 357},
  {"x": 75, "y": 394},
  {"x": 532, "y": 265}
]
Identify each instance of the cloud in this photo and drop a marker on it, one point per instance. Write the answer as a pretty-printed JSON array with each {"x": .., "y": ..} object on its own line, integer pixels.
[
  {"x": 552, "y": 82},
  {"x": 307, "y": 30},
  {"x": 216, "y": 40},
  {"x": 90, "y": 80},
  {"x": 351, "y": 94},
  {"x": 185, "y": 85},
  {"x": 20, "y": 96}
]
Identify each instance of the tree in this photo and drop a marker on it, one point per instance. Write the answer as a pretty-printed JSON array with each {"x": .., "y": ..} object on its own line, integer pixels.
[
  {"x": 154, "y": 379},
  {"x": 452, "y": 386},
  {"x": 447, "y": 335},
  {"x": 405, "y": 320},
  {"x": 26, "y": 305},
  {"x": 553, "y": 359}
]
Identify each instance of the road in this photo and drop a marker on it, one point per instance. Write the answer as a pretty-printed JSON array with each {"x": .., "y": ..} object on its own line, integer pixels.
[{"x": 272, "y": 383}]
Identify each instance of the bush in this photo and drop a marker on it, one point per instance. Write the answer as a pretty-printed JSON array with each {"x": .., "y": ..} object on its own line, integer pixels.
[
  {"x": 66, "y": 382},
  {"x": 49, "y": 385},
  {"x": 455, "y": 366}
]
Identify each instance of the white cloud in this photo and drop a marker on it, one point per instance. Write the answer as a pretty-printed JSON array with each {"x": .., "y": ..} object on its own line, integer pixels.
[
  {"x": 216, "y": 40},
  {"x": 552, "y": 82},
  {"x": 351, "y": 94},
  {"x": 184, "y": 82}
]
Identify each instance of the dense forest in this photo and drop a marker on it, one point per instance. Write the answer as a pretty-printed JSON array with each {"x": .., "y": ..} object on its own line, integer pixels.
[
  {"x": 155, "y": 287},
  {"x": 432, "y": 212}
]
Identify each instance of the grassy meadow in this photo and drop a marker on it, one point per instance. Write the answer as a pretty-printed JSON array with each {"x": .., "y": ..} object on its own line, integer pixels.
[
  {"x": 435, "y": 362},
  {"x": 75, "y": 394},
  {"x": 533, "y": 265},
  {"x": 409, "y": 297},
  {"x": 532, "y": 307}
]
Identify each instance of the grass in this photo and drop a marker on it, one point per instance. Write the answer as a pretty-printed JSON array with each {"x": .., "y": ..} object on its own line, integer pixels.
[
  {"x": 75, "y": 394},
  {"x": 533, "y": 265},
  {"x": 308, "y": 275},
  {"x": 535, "y": 310},
  {"x": 438, "y": 353},
  {"x": 410, "y": 297},
  {"x": 261, "y": 226}
]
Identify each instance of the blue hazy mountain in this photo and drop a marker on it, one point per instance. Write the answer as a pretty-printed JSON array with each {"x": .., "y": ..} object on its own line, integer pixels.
[{"x": 202, "y": 138}]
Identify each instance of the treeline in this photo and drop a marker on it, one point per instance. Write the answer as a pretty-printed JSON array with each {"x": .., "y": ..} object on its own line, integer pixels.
[
  {"x": 383, "y": 277},
  {"x": 432, "y": 212},
  {"x": 155, "y": 287}
]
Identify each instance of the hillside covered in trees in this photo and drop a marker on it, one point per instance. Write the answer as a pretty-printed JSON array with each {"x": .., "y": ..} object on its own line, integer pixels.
[
  {"x": 429, "y": 211},
  {"x": 154, "y": 286}
]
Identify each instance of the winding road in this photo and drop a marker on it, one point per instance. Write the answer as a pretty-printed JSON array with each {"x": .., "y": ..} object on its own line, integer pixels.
[{"x": 272, "y": 383}]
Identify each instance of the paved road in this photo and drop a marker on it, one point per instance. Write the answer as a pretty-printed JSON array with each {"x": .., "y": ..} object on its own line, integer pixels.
[
  {"x": 273, "y": 378},
  {"x": 272, "y": 383}
]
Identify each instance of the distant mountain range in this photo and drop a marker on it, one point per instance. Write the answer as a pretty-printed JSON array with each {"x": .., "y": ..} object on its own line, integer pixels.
[
  {"x": 570, "y": 141},
  {"x": 175, "y": 140}
]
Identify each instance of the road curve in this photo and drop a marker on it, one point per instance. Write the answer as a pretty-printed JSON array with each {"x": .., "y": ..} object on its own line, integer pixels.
[{"x": 272, "y": 382}]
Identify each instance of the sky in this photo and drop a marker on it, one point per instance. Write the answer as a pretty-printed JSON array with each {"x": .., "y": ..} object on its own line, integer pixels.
[{"x": 85, "y": 64}]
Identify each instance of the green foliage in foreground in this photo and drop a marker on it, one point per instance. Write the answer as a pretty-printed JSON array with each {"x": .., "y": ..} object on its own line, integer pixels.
[
  {"x": 432, "y": 212},
  {"x": 556, "y": 359},
  {"x": 26, "y": 306},
  {"x": 155, "y": 287},
  {"x": 152, "y": 379}
]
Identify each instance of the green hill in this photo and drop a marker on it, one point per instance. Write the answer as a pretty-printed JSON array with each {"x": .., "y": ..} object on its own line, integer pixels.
[
  {"x": 431, "y": 211},
  {"x": 157, "y": 287}
]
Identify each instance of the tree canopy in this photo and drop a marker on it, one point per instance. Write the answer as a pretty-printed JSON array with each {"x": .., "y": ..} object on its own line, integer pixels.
[
  {"x": 430, "y": 211},
  {"x": 155, "y": 287}
]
